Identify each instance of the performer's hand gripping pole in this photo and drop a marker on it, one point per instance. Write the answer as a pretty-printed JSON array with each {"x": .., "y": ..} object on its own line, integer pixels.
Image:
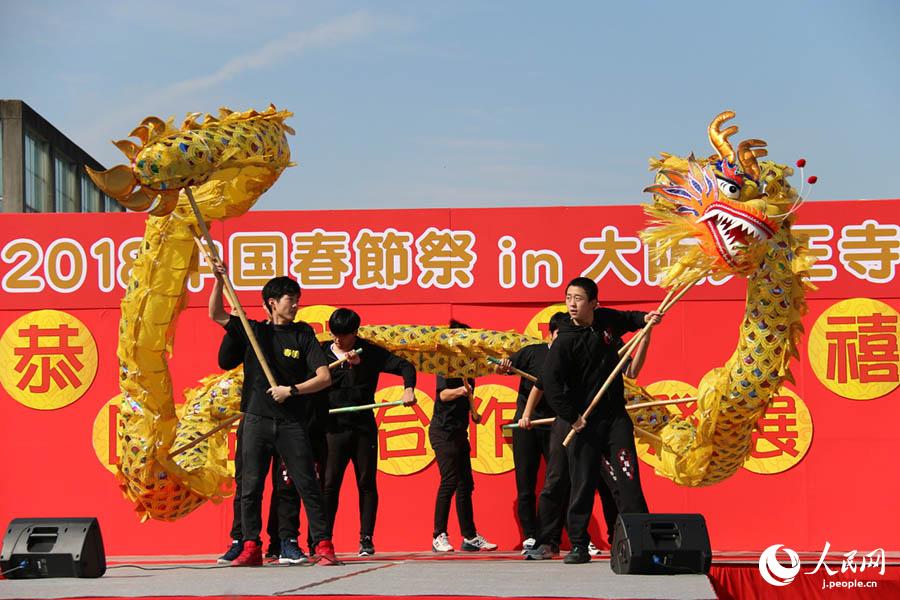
[
  {"x": 519, "y": 372},
  {"x": 546, "y": 421},
  {"x": 347, "y": 357}
]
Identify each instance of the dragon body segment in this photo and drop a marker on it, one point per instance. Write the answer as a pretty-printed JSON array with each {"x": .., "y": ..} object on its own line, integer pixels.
[
  {"x": 230, "y": 161},
  {"x": 738, "y": 220}
]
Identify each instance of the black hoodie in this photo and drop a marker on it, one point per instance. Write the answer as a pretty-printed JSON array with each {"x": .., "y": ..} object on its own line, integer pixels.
[
  {"x": 580, "y": 361},
  {"x": 293, "y": 354},
  {"x": 354, "y": 385}
]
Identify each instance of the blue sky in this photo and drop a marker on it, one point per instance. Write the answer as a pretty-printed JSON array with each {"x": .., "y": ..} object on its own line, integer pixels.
[{"x": 450, "y": 104}]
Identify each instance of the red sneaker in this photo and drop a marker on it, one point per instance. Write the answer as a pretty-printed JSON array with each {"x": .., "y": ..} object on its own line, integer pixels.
[
  {"x": 325, "y": 554},
  {"x": 250, "y": 556}
]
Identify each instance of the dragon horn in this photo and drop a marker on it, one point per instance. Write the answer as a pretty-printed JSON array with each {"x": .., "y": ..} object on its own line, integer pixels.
[
  {"x": 748, "y": 152},
  {"x": 128, "y": 148},
  {"x": 141, "y": 132},
  {"x": 719, "y": 138},
  {"x": 156, "y": 127},
  {"x": 154, "y": 122},
  {"x": 116, "y": 182},
  {"x": 190, "y": 121}
]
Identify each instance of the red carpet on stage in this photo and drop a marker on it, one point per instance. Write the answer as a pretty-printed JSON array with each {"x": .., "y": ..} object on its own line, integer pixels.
[{"x": 743, "y": 582}]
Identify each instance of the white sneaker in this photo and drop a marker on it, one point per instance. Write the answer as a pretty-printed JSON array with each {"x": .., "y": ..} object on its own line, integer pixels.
[
  {"x": 476, "y": 544},
  {"x": 593, "y": 550},
  {"x": 527, "y": 545},
  {"x": 441, "y": 544}
]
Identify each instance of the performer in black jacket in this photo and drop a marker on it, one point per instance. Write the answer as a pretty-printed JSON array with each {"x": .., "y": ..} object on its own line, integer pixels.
[
  {"x": 277, "y": 417},
  {"x": 353, "y": 437},
  {"x": 283, "y": 522},
  {"x": 579, "y": 362}
]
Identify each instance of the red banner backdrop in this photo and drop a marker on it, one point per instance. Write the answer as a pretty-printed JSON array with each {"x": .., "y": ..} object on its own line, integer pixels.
[{"x": 821, "y": 470}]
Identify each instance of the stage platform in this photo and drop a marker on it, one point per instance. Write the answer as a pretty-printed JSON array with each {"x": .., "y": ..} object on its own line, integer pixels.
[
  {"x": 502, "y": 575},
  {"x": 457, "y": 576}
]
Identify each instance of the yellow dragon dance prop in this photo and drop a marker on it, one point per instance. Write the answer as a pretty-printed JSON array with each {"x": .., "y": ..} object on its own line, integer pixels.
[
  {"x": 733, "y": 213},
  {"x": 228, "y": 162}
]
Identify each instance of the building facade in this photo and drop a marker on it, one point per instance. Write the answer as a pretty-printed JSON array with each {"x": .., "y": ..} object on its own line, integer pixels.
[{"x": 42, "y": 170}]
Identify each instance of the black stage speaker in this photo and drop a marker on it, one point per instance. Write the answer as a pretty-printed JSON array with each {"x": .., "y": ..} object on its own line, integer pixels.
[
  {"x": 648, "y": 544},
  {"x": 53, "y": 548}
]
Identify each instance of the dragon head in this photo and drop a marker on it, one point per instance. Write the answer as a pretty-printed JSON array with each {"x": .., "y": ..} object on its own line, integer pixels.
[
  {"x": 726, "y": 207},
  {"x": 229, "y": 161}
]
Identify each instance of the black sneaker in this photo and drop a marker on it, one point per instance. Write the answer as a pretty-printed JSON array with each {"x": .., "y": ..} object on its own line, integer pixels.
[
  {"x": 291, "y": 554},
  {"x": 233, "y": 552},
  {"x": 577, "y": 556},
  {"x": 366, "y": 547}
]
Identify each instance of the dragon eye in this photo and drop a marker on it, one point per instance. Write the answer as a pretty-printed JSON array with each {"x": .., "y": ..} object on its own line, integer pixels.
[{"x": 729, "y": 189}]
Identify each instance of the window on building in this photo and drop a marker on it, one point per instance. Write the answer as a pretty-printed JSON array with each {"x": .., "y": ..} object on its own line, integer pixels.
[
  {"x": 37, "y": 174},
  {"x": 64, "y": 194},
  {"x": 112, "y": 205},
  {"x": 90, "y": 196}
]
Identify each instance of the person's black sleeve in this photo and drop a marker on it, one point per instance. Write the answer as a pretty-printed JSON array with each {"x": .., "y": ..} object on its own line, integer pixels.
[
  {"x": 622, "y": 321},
  {"x": 236, "y": 328},
  {"x": 305, "y": 327},
  {"x": 231, "y": 351},
  {"x": 393, "y": 364},
  {"x": 315, "y": 357},
  {"x": 525, "y": 360},
  {"x": 516, "y": 358},
  {"x": 440, "y": 385},
  {"x": 234, "y": 344},
  {"x": 553, "y": 379}
]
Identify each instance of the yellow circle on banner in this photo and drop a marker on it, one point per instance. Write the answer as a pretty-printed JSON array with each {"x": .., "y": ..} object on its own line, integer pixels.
[
  {"x": 317, "y": 316},
  {"x": 782, "y": 436},
  {"x": 403, "y": 444},
  {"x": 667, "y": 389},
  {"x": 104, "y": 437},
  {"x": 537, "y": 326},
  {"x": 853, "y": 349},
  {"x": 48, "y": 359},
  {"x": 493, "y": 446}
]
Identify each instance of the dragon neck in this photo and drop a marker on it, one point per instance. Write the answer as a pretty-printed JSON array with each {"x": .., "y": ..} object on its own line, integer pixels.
[{"x": 771, "y": 325}]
